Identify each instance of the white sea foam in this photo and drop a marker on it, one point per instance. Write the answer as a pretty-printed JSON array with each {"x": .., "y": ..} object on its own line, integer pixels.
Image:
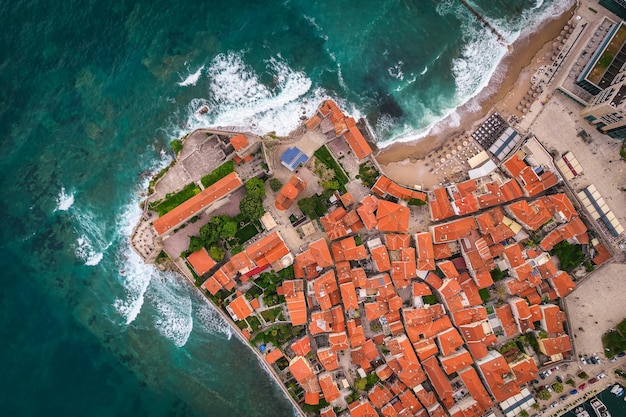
[
  {"x": 396, "y": 71},
  {"x": 65, "y": 200},
  {"x": 85, "y": 251},
  {"x": 173, "y": 307},
  {"x": 211, "y": 320},
  {"x": 193, "y": 78},
  {"x": 237, "y": 97},
  {"x": 92, "y": 239},
  {"x": 425, "y": 70}
]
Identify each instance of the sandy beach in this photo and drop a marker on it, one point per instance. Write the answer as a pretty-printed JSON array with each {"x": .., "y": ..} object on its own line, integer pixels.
[{"x": 404, "y": 162}]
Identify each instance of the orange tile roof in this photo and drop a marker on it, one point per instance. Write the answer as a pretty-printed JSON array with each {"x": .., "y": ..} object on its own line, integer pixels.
[
  {"x": 425, "y": 251},
  {"x": 474, "y": 385},
  {"x": 242, "y": 262},
  {"x": 532, "y": 215},
  {"x": 326, "y": 290},
  {"x": 201, "y": 261},
  {"x": 349, "y": 297},
  {"x": 327, "y": 412},
  {"x": 505, "y": 315},
  {"x": 496, "y": 372},
  {"x": 339, "y": 223},
  {"x": 562, "y": 283},
  {"x": 362, "y": 409},
  {"x": 449, "y": 288},
  {"x": 328, "y": 359},
  {"x": 294, "y": 296},
  {"x": 455, "y": 362},
  {"x": 553, "y": 318},
  {"x": 379, "y": 395},
  {"x": 392, "y": 217},
  {"x": 287, "y": 195},
  {"x": 327, "y": 321},
  {"x": 410, "y": 402},
  {"x": 440, "y": 205},
  {"x": 380, "y": 256},
  {"x": 426, "y": 330},
  {"x": 439, "y": 380},
  {"x": 212, "y": 286},
  {"x": 301, "y": 346},
  {"x": 384, "y": 186},
  {"x": 470, "y": 289},
  {"x": 329, "y": 388},
  {"x": 527, "y": 177},
  {"x": 313, "y": 122},
  {"x": 425, "y": 348},
  {"x": 525, "y": 370},
  {"x": 396, "y": 241},
  {"x": 273, "y": 356},
  {"x": 312, "y": 398},
  {"x": 470, "y": 315},
  {"x": 514, "y": 254},
  {"x": 338, "y": 341},
  {"x": 563, "y": 205},
  {"x": 239, "y": 142},
  {"x": 355, "y": 139},
  {"x": 453, "y": 230},
  {"x": 555, "y": 345},
  {"x": 442, "y": 251},
  {"x": 384, "y": 372},
  {"x": 347, "y": 199},
  {"x": 267, "y": 250},
  {"x": 356, "y": 333},
  {"x": 347, "y": 250},
  {"x": 186, "y": 210},
  {"x": 367, "y": 211},
  {"x": 240, "y": 308},
  {"x": 448, "y": 269},
  {"x": 421, "y": 289},
  {"x": 602, "y": 254},
  {"x": 449, "y": 341}
]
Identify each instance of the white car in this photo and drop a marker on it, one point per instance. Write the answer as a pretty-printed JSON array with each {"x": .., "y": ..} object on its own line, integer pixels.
[
  {"x": 582, "y": 359},
  {"x": 602, "y": 375}
]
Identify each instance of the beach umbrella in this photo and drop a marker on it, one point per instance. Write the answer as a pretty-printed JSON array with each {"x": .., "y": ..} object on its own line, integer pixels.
[
  {"x": 519, "y": 108},
  {"x": 443, "y": 160},
  {"x": 524, "y": 110},
  {"x": 453, "y": 151},
  {"x": 448, "y": 156},
  {"x": 464, "y": 143},
  {"x": 459, "y": 147},
  {"x": 528, "y": 105}
]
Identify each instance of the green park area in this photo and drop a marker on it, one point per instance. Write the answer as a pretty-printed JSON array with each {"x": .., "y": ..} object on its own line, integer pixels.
[
  {"x": 614, "y": 341},
  {"x": 173, "y": 200}
]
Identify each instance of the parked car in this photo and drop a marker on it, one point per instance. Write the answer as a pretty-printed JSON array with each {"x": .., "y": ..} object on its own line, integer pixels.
[
  {"x": 613, "y": 359},
  {"x": 548, "y": 388},
  {"x": 621, "y": 354},
  {"x": 556, "y": 368},
  {"x": 593, "y": 360},
  {"x": 583, "y": 360},
  {"x": 559, "y": 379},
  {"x": 563, "y": 397},
  {"x": 534, "y": 381},
  {"x": 582, "y": 386},
  {"x": 592, "y": 381},
  {"x": 548, "y": 372},
  {"x": 597, "y": 358},
  {"x": 573, "y": 392},
  {"x": 554, "y": 404},
  {"x": 542, "y": 375},
  {"x": 601, "y": 376}
]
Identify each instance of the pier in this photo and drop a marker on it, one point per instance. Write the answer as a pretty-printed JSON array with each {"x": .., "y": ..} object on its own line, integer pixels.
[{"x": 484, "y": 21}]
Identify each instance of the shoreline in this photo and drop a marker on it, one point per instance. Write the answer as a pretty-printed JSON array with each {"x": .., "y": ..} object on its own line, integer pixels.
[{"x": 510, "y": 78}]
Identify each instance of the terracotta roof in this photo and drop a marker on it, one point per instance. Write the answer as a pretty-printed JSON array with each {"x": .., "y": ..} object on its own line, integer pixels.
[
  {"x": 362, "y": 409},
  {"x": 313, "y": 122},
  {"x": 562, "y": 283},
  {"x": 439, "y": 380},
  {"x": 301, "y": 346},
  {"x": 421, "y": 289},
  {"x": 356, "y": 333},
  {"x": 239, "y": 142},
  {"x": 338, "y": 341},
  {"x": 527, "y": 177},
  {"x": 267, "y": 250},
  {"x": 470, "y": 315},
  {"x": 287, "y": 195},
  {"x": 563, "y": 205},
  {"x": 355, "y": 139},
  {"x": 212, "y": 286},
  {"x": 186, "y": 210},
  {"x": 240, "y": 308},
  {"x": 273, "y": 356},
  {"x": 425, "y": 348},
  {"x": 380, "y": 256},
  {"x": 379, "y": 395},
  {"x": 392, "y": 217},
  {"x": 602, "y": 254},
  {"x": 555, "y": 345},
  {"x": 496, "y": 372},
  {"x": 505, "y": 315},
  {"x": 347, "y": 250},
  {"x": 201, "y": 262},
  {"x": 367, "y": 211},
  {"x": 474, "y": 385},
  {"x": 294, "y": 296},
  {"x": 384, "y": 372},
  {"x": 470, "y": 289},
  {"x": 349, "y": 297},
  {"x": 327, "y": 321},
  {"x": 449, "y": 341},
  {"x": 312, "y": 398},
  {"x": 326, "y": 290},
  {"x": 329, "y": 388},
  {"x": 453, "y": 230},
  {"x": 442, "y": 251},
  {"x": 410, "y": 402},
  {"x": 553, "y": 318},
  {"x": 440, "y": 205},
  {"x": 328, "y": 359},
  {"x": 340, "y": 222},
  {"x": 385, "y": 186},
  {"x": 396, "y": 241},
  {"x": 425, "y": 251},
  {"x": 448, "y": 269},
  {"x": 532, "y": 215},
  {"x": 525, "y": 370},
  {"x": 242, "y": 262},
  {"x": 513, "y": 254},
  {"x": 347, "y": 199},
  {"x": 456, "y": 362},
  {"x": 327, "y": 412}
]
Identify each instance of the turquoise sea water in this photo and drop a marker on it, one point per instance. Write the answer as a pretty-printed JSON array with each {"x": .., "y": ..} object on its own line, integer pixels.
[
  {"x": 93, "y": 91},
  {"x": 615, "y": 405}
]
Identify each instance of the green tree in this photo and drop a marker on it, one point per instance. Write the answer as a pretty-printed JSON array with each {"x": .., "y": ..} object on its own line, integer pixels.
[
  {"x": 216, "y": 253},
  {"x": 536, "y": 406},
  {"x": 226, "y": 226},
  {"x": 195, "y": 243},
  {"x": 251, "y": 207},
  {"x": 255, "y": 188},
  {"x": 177, "y": 146},
  {"x": 275, "y": 184},
  {"x": 360, "y": 384},
  {"x": 209, "y": 233},
  {"x": 523, "y": 413},
  {"x": 557, "y": 387},
  {"x": 496, "y": 274},
  {"x": 330, "y": 185},
  {"x": 544, "y": 395}
]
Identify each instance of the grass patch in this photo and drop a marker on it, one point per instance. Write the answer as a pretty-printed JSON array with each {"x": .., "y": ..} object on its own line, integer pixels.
[
  {"x": 368, "y": 174},
  {"x": 613, "y": 343},
  {"x": 271, "y": 315},
  {"x": 174, "y": 200},
  {"x": 246, "y": 233},
  {"x": 621, "y": 327},
  {"x": 278, "y": 335},
  {"x": 324, "y": 155},
  {"x": 176, "y": 145},
  {"x": 430, "y": 299},
  {"x": 484, "y": 294},
  {"x": 218, "y": 173},
  {"x": 570, "y": 256}
]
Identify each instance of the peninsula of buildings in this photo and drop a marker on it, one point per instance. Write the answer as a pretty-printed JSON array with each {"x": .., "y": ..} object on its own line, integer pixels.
[{"x": 366, "y": 297}]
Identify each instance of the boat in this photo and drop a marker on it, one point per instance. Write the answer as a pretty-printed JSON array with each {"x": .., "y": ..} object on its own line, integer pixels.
[
  {"x": 581, "y": 412},
  {"x": 620, "y": 392},
  {"x": 599, "y": 407},
  {"x": 615, "y": 388}
]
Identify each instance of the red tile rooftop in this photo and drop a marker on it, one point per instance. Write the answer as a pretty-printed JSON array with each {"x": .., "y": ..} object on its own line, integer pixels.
[
  {"x": 553, "y": 318},
  {"x": 356, "y": 333},
  {"x": 562, "y": 284},
  {"x": 533, "y": 215},
  {"x": 379, "y": 395},
  {"x": 505, "y": 315},
  {"x": 287, "y": 195},
  {"x": 347, "y": 199},
  {"x": 329, "y": 388},
  {"x": 172, "y": 219},
  {"x": 380, "y": 256},
  {"x": 410, "y": 402},
  {"x": 497, "y": 374},
  {"x": 602, "y": 254},
  {"x": 273, "y": 356},
  {"x": 396, "y": 241},
  {"x": 338, "y": 341},
  {"x": 442, "y": 251},
  {"x": 384, "y": 186},
  {"x": 513, "y": 254},
  {"x": 456, "y": 361},
  {"x": 420, "y": 289},
  {"x": 472, "y": 382},
  {"x": 367, "y": 211},
  {"x": 439, "y": 380},
  {"x": 201, "y": 262},
  {"x": 240, "y": 308},
  {"x": 212, "y": 286},
  {"x": 362, "y": 409},
  {"x": 239, "y": 142},
  {"x": 312, "y": 398},
  {"x": 328, "y": 359},
  {"x": 425, "y": 251},
  {"x": 355, "y": 139},
  {"x": 326, "y": 290},
  {"x": 313, "y": 122},
  {"x": 294, "y": 296},
  {"x": 301, "y": 346},
  {"x": 448, "y": 269},
  {"x": 453, "y": 230},
  {"x": 525, "y": 370},
  {"x": 392, "y": 217},
  {"x": 327, "y": 412},
  {"x": 555, "y": 345}
]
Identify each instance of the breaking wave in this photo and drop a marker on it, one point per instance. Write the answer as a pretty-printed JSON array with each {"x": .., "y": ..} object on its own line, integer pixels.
[
  {"x": 192, "y": 79},
  {"x": 64, "y": 200}
]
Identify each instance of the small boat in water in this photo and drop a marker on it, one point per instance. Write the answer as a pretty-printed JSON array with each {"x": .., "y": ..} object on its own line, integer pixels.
[
  {"x": 599, "y": 407},
  {"x": 581, "y": 412},
  {"x": 615, "y": 388}
]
